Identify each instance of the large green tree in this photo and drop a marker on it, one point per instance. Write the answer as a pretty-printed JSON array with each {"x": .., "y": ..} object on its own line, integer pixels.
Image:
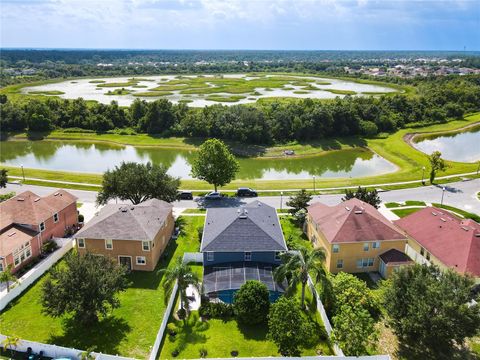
[
  {"x": 298, "y": 204},
  {"x": 369, "y": 196},
  {"x": 431, "y": 311},
  {"x": 298, "y": 265},
  {"x": 137, "y": 183},
  {"x": 436, "y": 164},
  {"x": 86, "y": 286},
  {"x": 184, "y": 276},
  {"x": 215, "y": 163},
  {"x": 251, "y": 303},
  {"x": 287, "y": 327},
  {"x": 3, "y": 178}
]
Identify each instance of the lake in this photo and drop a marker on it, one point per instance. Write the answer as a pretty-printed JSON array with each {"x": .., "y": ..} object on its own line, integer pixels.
[
  {"x": 461, "y": 146},
  {"x": 77, "y": 156},
  {"x": 103, "y": 89}
]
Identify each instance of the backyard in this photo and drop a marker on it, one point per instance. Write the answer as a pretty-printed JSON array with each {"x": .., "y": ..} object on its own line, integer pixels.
[{"x": 129, "y": 330}]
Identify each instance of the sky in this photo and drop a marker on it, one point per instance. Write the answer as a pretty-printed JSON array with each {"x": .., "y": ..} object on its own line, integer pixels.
[{"x": 242, "y": 24}]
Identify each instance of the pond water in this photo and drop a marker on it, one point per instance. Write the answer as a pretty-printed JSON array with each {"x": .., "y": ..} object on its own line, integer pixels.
[
  {"x": 98, "y": 157},
  {"x": 91, "y": 89},
  {"x": 460, "y": 146}
]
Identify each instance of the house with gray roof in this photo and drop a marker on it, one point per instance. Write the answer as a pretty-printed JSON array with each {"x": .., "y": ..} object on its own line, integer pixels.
[
  {"x": 240, "y": 244},
  {"x": 133, "y": 235}
]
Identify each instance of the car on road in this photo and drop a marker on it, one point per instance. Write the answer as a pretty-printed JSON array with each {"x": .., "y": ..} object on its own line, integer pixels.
[
  {"x": 246, "y": 192},
  {"x": 185, "y": 195},
  {"x": 214, "y": 195}
]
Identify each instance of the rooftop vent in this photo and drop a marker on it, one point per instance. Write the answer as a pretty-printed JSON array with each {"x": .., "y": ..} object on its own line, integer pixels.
[
  {"x": 37, "y": 199},
  {"x": 123, "y": 209},
  {"x": 358, "y": 212},
  {"x": 477, "y": 235},
  {"x": 347, "y": 208},
  {"x": 12, "y": 233},
  {"x": 434, "y": 213},
  {"x": 20, "y": 199},
  {"x": 243, "y": 214},
  {"x": 443, "y": 219},
  {"x": 465, "y": 228},
  {"x": 56, "y": 194}
]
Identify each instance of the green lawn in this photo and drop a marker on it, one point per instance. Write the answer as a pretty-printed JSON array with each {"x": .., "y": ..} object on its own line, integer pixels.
[
  {"x": 404, "y": 212},
  {"x": 220, "y": 337},
  {"x": 460, "y": 212},
  {"x": 129, "y": 330}
]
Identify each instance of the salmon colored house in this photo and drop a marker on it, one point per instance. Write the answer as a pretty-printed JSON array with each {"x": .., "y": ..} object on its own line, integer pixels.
[
  {"x": 438, "y": 237},
  {"x": 356, "y": 238},
  {"x": 27, "y": 221},
  {"x": 133, "y": 235}
]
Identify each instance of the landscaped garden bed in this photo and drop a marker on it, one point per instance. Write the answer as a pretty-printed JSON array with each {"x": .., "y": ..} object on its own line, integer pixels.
[{"x": 129, "y": 330}]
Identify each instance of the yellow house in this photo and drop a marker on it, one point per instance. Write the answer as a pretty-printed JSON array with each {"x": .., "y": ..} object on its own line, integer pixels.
[{"x": 356, "y": 238}]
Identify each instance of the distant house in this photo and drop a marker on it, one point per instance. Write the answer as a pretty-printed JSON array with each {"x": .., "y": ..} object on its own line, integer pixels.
[
  {"x": 240, "y": 244},
  {"x": 27, "y": 221},
  {"x": 439, "y": 237},
  {"x": 356, "y": 238},
  {"x": 133, "y": 235}
]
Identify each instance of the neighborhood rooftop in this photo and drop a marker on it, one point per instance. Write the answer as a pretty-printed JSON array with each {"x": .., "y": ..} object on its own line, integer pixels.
[
  {"x": 29, "y": 208},
  {"x": 454, "y": 241},
  {"x": 353, "y": 221},
  {"x": 127, "y": 222},
  {"x": 254, "y": 227}
]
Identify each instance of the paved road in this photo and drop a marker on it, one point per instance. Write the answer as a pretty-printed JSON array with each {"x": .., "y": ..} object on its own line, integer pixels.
[{"x": 460, "y": 194}]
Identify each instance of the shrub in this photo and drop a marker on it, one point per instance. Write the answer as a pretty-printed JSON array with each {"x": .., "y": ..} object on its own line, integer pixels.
[
  {"x": 203, "y": 353},
  {"x": 251, "y": 303},
  {"x": 171, "y": 329},
  {"x": 175, "y": 353},
  {"x": 216, "y": 310},
  {"x": 81, "y": 218},
  {"x": 49, "y": 247},
  {"x": 234, "y": 353}
]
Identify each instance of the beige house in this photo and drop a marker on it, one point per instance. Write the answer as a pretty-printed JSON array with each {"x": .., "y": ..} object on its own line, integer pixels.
[
  {"x": 133, "y": 235},
  {"x": 356, "y": 238}
]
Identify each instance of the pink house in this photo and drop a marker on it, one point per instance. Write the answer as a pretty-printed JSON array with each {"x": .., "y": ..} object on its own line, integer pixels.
[{"x": 27, "y": 221}]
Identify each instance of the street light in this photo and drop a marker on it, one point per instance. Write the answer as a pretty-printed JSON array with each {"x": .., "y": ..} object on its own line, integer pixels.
[
  {"x": 478, "y": 168},
  {"x": 443, "y": 192},
  {"x": 423, "y": 175},
  {"x": 281, "y": 199},
  {"x": 313, "y": 183},
  {"x": 23, "y": 173}
]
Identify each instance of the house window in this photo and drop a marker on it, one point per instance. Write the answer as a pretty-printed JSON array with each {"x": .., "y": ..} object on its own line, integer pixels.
[
  {"x": 365, "y": 246},
  {"x": 339, "y": 263},
  {"x": 428, "y": 256},
  {"x": 364, "y": 262},
  {"x": 210, "y": 256},
  {"x": 55, "y": 217},
  {"x": 108, "y": 244},
  {"x": 141, "y": 260},
  {"x": 248, "y": 256},
  {"x": 336, "y": 248},
  {"x": 370, "y": 261},
  {"x": 422, "y": 251},
  {"x": 42, "y": 226},
  {"x": 81, "y": 243},
  {"x": 22, "y": 253},
  {"x": 376, "y": 245},
  {"x": 1, "y": 267},
  {"x": 146, "y": 245},
  {"x": 277, "y": 255}
]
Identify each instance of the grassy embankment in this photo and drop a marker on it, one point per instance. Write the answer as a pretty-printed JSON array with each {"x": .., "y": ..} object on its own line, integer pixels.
[{"x": 392, "y": 147}]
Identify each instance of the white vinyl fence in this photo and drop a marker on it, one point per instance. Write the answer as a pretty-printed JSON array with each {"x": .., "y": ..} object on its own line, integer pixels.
[
  {"x": 38, "y": 270},
  {"x": 187, "y": 259},
  {"x": 55, "y": 351}
]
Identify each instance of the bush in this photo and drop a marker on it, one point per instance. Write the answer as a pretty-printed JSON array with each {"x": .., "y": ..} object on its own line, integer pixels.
[
  {"x": 175, "y": 353},
  {"x": 81, "y": 218},
  {"x": 251, "y": 303},
  {"x": 171, "y": 329},
  {"x": 181, "y": 313},
  {"x": 49, "y": 247},
  {"x": 216, "y": 310},
  {"x": 200, "y": 233},
  {"x": 234, "y": 353},
  {"x": 203, "y": 353}
]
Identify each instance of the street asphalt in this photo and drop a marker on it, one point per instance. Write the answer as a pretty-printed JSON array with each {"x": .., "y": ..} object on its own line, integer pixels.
[{"x": 459, "y": 194}]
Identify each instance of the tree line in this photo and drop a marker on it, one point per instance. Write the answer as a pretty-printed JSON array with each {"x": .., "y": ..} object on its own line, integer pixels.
[{"x": 436, "y": 101}]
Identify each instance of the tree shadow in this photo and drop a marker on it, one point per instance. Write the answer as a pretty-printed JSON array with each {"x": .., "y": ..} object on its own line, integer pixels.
[
  {"x": 418, "y": 352},
  {"x": 190, "y": 332},
  {"x": 104, "y": 336},
  {"x": 253, "y": 332},
  {"x": 448, "y": 188}
]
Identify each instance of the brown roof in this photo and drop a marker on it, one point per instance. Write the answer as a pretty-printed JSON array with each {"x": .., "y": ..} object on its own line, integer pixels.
[
  {"x": 353, "y": 221},
  {"x": 394, "y": 257},
  {"x": 453, "y": 241},
  {"x": 12, "y": 237},
  {"x": 29, "y": 208}
]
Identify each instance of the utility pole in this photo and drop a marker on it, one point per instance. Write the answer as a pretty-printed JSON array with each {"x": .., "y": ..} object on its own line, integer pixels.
[
  {"x": 443, "y": 193},
  {"x": 23, "y": 173},
  {"x": 281, "y": 199},
  {"x": 423, "y": 175},
  {"x": 314, "y": 183}
]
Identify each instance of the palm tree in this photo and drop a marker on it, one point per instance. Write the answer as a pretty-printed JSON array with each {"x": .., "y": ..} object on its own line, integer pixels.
[
  {"x": 184, "y": 276},
  {"x": 11, "y": 342},
  {"x": 6, "y": 276},
  {"x": 297, "y": 265}
]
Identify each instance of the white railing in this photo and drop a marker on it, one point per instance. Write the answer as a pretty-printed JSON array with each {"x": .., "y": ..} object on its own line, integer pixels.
[
  {"x": 415, "y": 256},
  {"x": 38, "y": 270}
]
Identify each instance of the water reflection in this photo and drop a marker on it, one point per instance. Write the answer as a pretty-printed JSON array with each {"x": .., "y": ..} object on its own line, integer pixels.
[{"x": 97, "y": 157}]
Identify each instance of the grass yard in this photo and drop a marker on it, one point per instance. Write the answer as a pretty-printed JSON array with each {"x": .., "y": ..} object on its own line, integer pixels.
[
  {"x": 462, "y": 213},
  {"x": 404, "y": 212},
  {"x": 128, "y": 331},
  {"x": 293, "y": 234},
  {"x": 221, "y": 337}
]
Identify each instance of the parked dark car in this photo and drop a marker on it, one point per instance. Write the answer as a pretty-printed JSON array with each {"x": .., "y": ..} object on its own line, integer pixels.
[
  {"x": 185, "y": 195},
  {"x": 246, "y": 192}
]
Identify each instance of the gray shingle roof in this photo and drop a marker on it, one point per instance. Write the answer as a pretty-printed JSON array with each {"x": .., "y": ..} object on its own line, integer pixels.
[
  {"x": 127, "y": 222},
  {"x": 254, "y": 227}
]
